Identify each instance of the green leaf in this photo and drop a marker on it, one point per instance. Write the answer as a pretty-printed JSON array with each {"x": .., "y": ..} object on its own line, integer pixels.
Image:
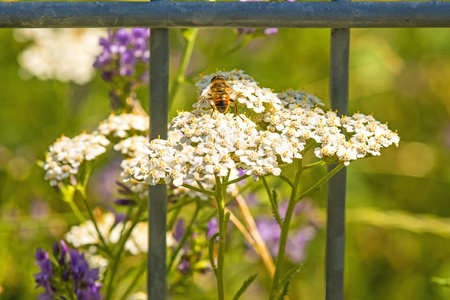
[
  {"x": 211, "y": 251},
  {"x": 285, "y": 291},
  {"x": 244, "y": 286},
  {"x": 224, "y": 224},
  {"x": 274, "y": 207},
  {"x": 273, "y": 198},
  {"x": 287, "y": 278}
]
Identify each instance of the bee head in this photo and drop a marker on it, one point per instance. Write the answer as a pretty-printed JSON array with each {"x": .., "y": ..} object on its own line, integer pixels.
[{"x": 218, "y": 77}]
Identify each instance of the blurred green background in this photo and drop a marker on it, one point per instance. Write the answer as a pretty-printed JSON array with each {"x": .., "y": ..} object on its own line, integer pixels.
[{"x": 398, "y": 217}]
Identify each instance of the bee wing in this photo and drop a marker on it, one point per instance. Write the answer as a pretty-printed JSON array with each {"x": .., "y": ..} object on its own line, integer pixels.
[
  {"x": 206, "y": 95},
  {"x": 234, "y": 94}
]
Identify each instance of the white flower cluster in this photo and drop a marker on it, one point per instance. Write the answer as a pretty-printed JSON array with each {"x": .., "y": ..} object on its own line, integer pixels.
[
  {"x": 62, "y": 54},
  {"x": 292, "y": 98},
  {"x": 133, "y": 146},
  {"x": 248, "y": 92},
  {"x": 66, "y": 155},
  {"x": 340, "y": 139},
  {"x": 212, "y": 145},
  {"x": 215, "y": 144},
  {"x": 124, "y": 125},
  {"x": 85, "y": 234}
]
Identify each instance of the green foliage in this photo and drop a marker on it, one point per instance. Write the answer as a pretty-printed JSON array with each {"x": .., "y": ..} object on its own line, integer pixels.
[{"x": 244, "y": 286}]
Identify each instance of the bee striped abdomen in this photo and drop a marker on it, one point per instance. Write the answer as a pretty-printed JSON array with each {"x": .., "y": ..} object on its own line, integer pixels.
[{"x": 221, "y": 102}]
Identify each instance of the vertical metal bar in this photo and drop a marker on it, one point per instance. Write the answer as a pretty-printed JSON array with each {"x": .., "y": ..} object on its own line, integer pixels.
[
  {"x": 157, "y": 208},
  {"x": 335, "y": 247}
]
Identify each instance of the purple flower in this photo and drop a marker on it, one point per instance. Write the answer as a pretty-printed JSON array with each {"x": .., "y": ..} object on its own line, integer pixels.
[
  {"x": 212, "y": 227},
  {"x": 298, "y": 239},
  {"x": 124, "y": 202},
  {"x": 270, "y": 233},
  {"x": 270, "y": 31},
  {"x": 124, "y": 60},
  {"x": 70, "y": 275},
  {"x": 61, "y": 251},
  {"x": 43, "y": 278},
  {"x": 184, "y": 266},
  {"x": 179, "y": 230}
]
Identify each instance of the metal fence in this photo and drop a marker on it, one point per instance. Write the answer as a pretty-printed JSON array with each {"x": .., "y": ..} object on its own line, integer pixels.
[{"x": 160, "y": 15}]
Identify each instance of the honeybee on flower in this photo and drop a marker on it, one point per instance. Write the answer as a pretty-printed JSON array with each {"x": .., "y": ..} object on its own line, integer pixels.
[{"x": 219, "y": 95}]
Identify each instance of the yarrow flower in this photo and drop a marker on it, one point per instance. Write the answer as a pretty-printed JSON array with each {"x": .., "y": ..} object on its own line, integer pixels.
[
  {"x": 66, "y": 155},
  {"x": 85, "y": 234},
  {"x": 65, "y": 54},
  {"x": 66, "y": 276},
  {"x": 124, "y": 125},
  {"x": 213, "y": 144},
  {"x": 252, "y": 96}
]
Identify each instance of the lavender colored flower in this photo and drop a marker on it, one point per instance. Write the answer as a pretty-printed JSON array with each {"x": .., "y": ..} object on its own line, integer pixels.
[
  {"x": 43, "y": 279},
  {"x": 296, "y": 244},
  {"x": 124, "y": 61},
  {"x": 70, "y": 277},
  {"x": 270, "y": 31},
  {"x": 124, "y": 202},
  {"x": 212, "y": 227},
  {"x": 298, "y": 239},
  {"x": 179, "y": 230},
  {"x": 184, "y": 266}
]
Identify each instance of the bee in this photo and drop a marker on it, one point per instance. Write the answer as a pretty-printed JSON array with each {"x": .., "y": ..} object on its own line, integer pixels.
[{"x": 218, "y": 95}]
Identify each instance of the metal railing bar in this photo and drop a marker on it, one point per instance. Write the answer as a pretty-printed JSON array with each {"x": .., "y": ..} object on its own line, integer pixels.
[
  {"x": 169, "y": 14},
  {"x": 335, "y": 244},
  {"x": 157, "y": 208}
]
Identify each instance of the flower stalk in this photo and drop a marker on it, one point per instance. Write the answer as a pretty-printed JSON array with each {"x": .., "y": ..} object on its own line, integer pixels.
[
  {"x": 285, "y": 230},
  {"x": 223, "y": 224}
]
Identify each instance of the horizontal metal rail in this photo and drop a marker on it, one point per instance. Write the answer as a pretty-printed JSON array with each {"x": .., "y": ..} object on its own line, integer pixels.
[{"x": 165, "y": 14}]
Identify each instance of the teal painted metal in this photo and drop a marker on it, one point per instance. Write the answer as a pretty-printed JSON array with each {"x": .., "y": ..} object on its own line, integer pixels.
[
  {"x": 335, "y": 245},
  {"x": 157, "y": 209},
  {"x": 168, "y": 14}
]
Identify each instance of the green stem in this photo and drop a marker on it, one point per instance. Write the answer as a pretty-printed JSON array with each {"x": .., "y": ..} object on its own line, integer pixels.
[
  {"x": 135, "y": 280},
  {"x": 68, "y": 193},
  {"x": 179, "y": 204},
  {"x": 191, "y": 187},
  {"x": 183, "y": 239},
  {"x": 284, "y": 232},
  {"x": 213, "y": 213},
  {"x": 180, "y": 78},
  {"x": 91, "y": 215},
  {"x": 76, "y": 211},
  {"x": 237, "y": 179},
  {"x": 319, "y": 183},
  {"x": 122, "y": 241},
  {"x": 222, "y": 237},
  {"x": 287, "y": 180},
  {"x": 272, "y": 202},
  {"x": 319, "y": 163},
  {"x": 293, "y": 200}
]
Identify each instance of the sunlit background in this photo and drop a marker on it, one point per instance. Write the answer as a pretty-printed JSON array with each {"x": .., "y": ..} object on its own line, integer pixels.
[{"x": 398, "y": 217}]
